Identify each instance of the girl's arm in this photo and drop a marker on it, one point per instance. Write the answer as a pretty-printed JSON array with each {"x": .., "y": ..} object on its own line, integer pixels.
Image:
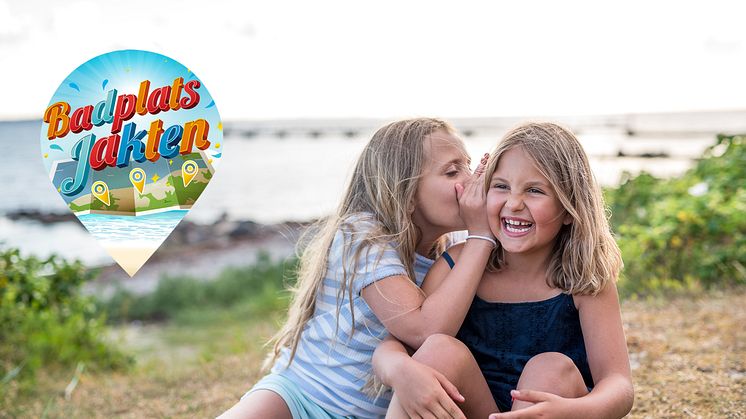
[
  {"x": 613, "y": 394},
  {"x": 601, "y": 321},
  {"x": 421, "y": 390},
  {"x": 391, "y": 354},
  {"x": 411, "y": 315}
]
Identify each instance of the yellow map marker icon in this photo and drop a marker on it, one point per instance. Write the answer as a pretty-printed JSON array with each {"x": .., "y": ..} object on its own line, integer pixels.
[
  {"x": 100, "y": 190},
  {"x": 137, "y": 177},
  {"x": 188, "y": 171}
]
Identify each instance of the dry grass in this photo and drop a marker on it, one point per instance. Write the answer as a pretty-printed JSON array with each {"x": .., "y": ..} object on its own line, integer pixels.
[{"x": 688, "y": 357}]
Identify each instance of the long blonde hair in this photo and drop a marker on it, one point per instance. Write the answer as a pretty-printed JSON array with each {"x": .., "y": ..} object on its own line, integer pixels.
[
  {"x": 383, "y": 185},
  {"x": 585, "y": 256}
]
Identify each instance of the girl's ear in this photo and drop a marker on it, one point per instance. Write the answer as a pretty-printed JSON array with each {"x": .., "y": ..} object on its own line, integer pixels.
[
  {"x": 568, "y": 219},
  {"x": 410, "y": 208}
]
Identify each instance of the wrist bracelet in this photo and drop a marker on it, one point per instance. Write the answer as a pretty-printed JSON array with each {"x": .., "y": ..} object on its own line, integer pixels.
[{"x": 489, "y": 239}]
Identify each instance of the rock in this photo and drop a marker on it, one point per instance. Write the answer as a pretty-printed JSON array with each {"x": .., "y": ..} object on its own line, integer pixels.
[{"x": 42, "y": 217}]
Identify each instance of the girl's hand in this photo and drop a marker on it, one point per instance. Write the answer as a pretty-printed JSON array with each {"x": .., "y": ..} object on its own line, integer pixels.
[
  {"x": 472, "y": 201},
  {"x": 424, "y": 392},
  {"x": 546, "y": 405}
]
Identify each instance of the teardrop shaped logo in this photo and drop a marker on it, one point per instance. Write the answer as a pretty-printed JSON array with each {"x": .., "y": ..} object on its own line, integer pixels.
[{"x": 130, "y": 140}]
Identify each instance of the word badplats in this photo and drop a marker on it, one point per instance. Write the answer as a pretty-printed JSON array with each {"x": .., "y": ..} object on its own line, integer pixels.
[{"x": 117, "y": 150}]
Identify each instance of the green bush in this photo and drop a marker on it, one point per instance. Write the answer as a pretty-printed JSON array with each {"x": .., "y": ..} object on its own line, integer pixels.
[
  {"x": 46, "y": 322},
  {"x": 685, "y": 233},
  {"x": 262, "y": 284}
]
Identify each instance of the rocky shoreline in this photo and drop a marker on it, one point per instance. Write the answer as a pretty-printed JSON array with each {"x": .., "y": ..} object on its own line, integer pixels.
[
  {"x": 40, "y": 216},
  {"x": 196, "y": 250},
  {"x": 187, "y": 234}
]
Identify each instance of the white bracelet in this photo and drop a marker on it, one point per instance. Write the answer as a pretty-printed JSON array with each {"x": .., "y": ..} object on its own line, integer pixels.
[{"x": 489, "y": 239}]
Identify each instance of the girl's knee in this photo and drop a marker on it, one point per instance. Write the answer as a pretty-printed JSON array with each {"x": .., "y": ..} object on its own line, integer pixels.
[
  {"x": 553, "y": 363},
  {"x": 553, "y": 372},
  {"x": 441, "y": 349},
  {"x": 440, "y": 340},
  {"x": 441, "y": 345}
]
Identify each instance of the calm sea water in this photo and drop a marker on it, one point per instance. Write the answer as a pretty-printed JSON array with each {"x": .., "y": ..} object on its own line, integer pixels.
[
  {"x": 120, "y": 230},
  {"x": 269, "y": 180}
]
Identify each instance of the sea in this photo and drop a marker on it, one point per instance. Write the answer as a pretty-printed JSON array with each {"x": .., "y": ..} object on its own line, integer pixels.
[{"x": 272, "y": 174}]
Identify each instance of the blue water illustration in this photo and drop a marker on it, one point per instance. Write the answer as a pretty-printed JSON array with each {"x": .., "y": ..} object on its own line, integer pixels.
[{"x": 146, "y": 230}]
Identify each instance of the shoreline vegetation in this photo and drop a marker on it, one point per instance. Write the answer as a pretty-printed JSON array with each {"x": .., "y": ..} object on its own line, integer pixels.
[
  {"x": 189, "y": 347},
  {"x": 204, "y": 248}
]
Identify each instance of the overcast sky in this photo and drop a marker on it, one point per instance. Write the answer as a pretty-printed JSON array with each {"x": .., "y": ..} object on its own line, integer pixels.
[{"x": 334, "y": 59}]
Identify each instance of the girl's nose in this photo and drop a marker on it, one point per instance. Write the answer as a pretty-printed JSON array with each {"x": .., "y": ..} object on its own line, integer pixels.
[{"x": 515, "y": 202}]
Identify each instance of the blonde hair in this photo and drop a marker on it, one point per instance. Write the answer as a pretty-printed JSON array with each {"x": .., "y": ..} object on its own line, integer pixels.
[
  {"x": 585, "y": 256},
  {"x": 383, "y": 185}
]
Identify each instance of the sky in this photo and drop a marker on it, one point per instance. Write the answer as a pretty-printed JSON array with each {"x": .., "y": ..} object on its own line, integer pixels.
[{"x": 340, "y": 59}]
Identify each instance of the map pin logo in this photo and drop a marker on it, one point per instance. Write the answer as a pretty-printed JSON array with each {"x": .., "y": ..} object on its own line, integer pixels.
[
  {"x": 137, "y": 177},
  {"x": 188, "y": 170},
  {"x": 100, "y": 190},
  {"x": 131, "y": 201}
]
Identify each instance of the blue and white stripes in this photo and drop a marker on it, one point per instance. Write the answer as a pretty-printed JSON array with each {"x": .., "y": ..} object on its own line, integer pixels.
[{"x": 332, "y": 364}]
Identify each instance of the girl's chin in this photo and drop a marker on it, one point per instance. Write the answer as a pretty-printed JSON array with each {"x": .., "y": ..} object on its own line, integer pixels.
[
  {"x": 512, "y": 249},
  {"x": 511, "y": 244}
]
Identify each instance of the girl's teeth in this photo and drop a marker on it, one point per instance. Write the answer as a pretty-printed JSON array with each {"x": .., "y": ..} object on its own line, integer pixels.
[
  {"x": 517, "y": 230},
  {"x": 518, "y": 223},
  {"x": 515, "y": 226}
]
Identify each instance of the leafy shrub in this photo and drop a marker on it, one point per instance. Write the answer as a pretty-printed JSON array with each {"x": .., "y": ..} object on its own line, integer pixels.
[
  {"x": 46, "y": 322},
  {"x": 685, "y": 233},
  {"x": 262, "y": 284}
]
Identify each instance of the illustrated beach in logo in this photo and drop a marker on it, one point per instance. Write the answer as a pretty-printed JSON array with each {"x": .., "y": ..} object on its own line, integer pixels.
[{"x": 130, "y": 140}]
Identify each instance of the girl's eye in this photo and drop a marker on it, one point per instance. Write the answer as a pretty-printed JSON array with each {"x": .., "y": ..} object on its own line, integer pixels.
[
  {"x": 500, "y": 186},
  {"x": 453, "y": 171},
  {"x": 535, "y": 190}
]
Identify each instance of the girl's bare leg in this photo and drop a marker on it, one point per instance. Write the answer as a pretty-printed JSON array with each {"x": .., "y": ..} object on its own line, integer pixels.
[
  {"x": 260, "y": 404},
  {"x": 551, "y": 372}
]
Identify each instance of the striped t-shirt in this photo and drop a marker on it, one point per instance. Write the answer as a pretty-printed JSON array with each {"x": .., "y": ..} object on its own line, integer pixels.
[{"x": 331, "y": 366}]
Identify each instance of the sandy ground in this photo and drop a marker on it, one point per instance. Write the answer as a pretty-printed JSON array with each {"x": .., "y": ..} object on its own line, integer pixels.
[{"x": 688, "y": 356}]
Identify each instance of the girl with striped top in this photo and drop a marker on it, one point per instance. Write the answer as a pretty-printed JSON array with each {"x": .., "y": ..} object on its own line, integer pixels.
[{"x": 360, "y": 273}]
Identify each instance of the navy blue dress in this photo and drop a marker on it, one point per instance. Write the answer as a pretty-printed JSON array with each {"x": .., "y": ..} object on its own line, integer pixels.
[{"x": 504, "y": 336}]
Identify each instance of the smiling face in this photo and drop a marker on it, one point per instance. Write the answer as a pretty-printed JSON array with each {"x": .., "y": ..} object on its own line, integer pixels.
[
  {"x": 436, "y": 209},
  {"x": 524, "y": 212}
]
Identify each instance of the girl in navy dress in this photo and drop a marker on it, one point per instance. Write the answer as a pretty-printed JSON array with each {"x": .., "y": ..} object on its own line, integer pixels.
[{"x": 543, "y": 336}]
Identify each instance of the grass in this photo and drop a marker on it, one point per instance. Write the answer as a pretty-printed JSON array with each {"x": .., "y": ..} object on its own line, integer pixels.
[
  {"x": 254, "y": 287},
  {"x": 688, "y": 356},
  {"x": 190, "y": 366}
]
